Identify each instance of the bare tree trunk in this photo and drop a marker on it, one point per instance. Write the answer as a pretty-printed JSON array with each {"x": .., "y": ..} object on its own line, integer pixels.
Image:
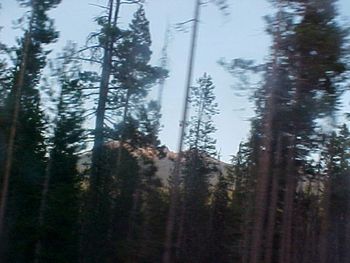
[
  {"x": 180, "y": 233},
  {"x": 43, "y": 204},
  {"x": 270, "y": 232},
  {"x": 17, "y": 93},
  {"x": 92, "y": 238},
  {"x": 286, "y": 240},
  {"x": 163, "y": 64},
  {"x": 132, "y": 225},
  {"x": 324, "y": 235},
  {"x": 175, "y": 184},
  {"x": 262, "y": 191},
  {"x": 103, "y": 92},
  {"x": 265, "y": 155},
  {"x": 247, "y": 219}
]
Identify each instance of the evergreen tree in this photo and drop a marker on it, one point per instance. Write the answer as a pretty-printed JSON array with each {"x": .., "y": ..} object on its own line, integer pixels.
[
  {"x": 335, "y": 234},
  {"x": 242, "y": 177},
  {"x": 135, "y": 193},
  {"x": 299, "y": 87},
  {"x": 197, "y": 170},
  {"x": 5, "y": 83},
  {"x": 220, "y": 237},
  {"x": 132, "y": 70},
  {"x": 25, "y": 149},
  {"x": 126, "y": 79},
  {"x": 60, "y": 205}
]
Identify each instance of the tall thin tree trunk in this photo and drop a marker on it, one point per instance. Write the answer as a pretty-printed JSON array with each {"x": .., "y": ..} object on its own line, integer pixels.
[
  {"x": 265, "y": 156},
  {"x": 287, "y": 220},
  {"x": 325, "y": 222},
  {"x": 132, "y": 253},
  {"x": 42, "y": 209},
  {"x": 17, "y": 94},
  {"x": 262, "y": 191},
  {"x": 271, "y": 223},
  {"x": 175, "y": 184},
  {"x": 94, "y": 205},
  {"x": 103, "y": 91},
  {"x": 163, "y": 65}
]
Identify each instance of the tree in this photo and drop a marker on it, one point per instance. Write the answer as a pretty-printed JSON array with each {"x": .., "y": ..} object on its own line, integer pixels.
[
  {"x": 297, "y": 83},
  {"x": 132, "y": 70},
  {"x": 197, "y": 169},
  {"x": 125, "y": 81},
  {"x": 60, "y": 203},
  {"x": 25, "y": 147},
  {"x": 335, "y": 234},
  {"x": 221, "y": 225},
  {"x": 5, "y": 83}
]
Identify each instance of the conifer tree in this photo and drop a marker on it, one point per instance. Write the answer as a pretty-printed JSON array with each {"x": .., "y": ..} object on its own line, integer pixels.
[
  {"x": 300, "y": 87},
  {"x": 132, "y": 70},
  {"x": 59, "y": 214},
  {"x": 220, "y": 227},
  {"x": 135, "y": 191},
  {"x": 197, "y": 170},
  {"x": 335, "y": 234},
  {"x": 126, "y": 79},
  {"x": 5, "y": 83},
  {"x": 25, "y": 143}
]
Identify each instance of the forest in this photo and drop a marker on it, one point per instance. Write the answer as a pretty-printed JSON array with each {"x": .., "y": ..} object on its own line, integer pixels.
[{"x": 86, "y": 178}]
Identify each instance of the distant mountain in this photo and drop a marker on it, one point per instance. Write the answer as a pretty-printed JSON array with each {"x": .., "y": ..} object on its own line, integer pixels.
[{"x": 165, "y": 163}]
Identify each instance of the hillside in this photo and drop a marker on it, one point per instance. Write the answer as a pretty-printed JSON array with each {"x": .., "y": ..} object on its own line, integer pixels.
[{"x": 165, "y": 165}]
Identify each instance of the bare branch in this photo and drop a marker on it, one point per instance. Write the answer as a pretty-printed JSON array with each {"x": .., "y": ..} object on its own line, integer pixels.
[{"x": 100, "y": 6}]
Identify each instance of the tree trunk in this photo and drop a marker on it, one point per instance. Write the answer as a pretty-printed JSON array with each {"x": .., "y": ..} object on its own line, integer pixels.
[
  {"x": 175, "y": 185},
  {"x": 103, "y": 95},
  {"x": 265, "y": 156},
  {"x": 270, "y": 232},
  {"x": 43, "y": 204},
  {"x": 92, "y": 238},
  {"x": 324, "y": 235},
  {"x": 286, "y": 238},
  {"x": 17, "y": 94}
]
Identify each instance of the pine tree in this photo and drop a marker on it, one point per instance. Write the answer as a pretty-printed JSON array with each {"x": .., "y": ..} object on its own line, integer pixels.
[
  {"x": 221, "y": 224},
  {"x": 25, "y": 148},
  {"x": 317, "y": 64},
  {"x": 299, "y": 87},
  {"x": 61, "y": 194},
  {"x": 197, "y": 169},
  {"x": 135, "y": 191},
  {"x": 126, "y": 78},
  {"x": 5, "y": 83},
  {"x": 132, "y": 70},
  {"x": 335, "y": 234}
]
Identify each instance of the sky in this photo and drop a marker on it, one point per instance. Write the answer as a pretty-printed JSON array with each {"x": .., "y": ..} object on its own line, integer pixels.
[{"x": 239, "y": 35}]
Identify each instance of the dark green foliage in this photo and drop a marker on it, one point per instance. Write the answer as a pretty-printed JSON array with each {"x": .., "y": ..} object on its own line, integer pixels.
[
  {"x": 5, "y": 84},
  {"x": 197, "y": 170},
  {"x": 301, "y": 86},
  {"x": 338, "y": 182},
  {"x": 122, "y": 195},
  {"x": 244, "y": 181},
  {"x": 154, "y": 211},
  {"x": 194, "y": 217},
  {"x": 60, "y": 238},
  {"x": 118, "y": 190},
  {"x": 29, "y": 161},
  {"x": 204, "y": 106},
  {"x": 117, "y": 211},
  {"x": 220, "y": 229},
  {"x": 133, "y": 74}
]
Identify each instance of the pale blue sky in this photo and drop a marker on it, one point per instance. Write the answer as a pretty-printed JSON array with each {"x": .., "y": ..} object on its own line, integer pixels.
[{"x": 239, "y": 35}]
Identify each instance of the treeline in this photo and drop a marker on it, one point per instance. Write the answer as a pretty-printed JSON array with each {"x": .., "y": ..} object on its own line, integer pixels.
[{"x": 285, "y": 198}]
